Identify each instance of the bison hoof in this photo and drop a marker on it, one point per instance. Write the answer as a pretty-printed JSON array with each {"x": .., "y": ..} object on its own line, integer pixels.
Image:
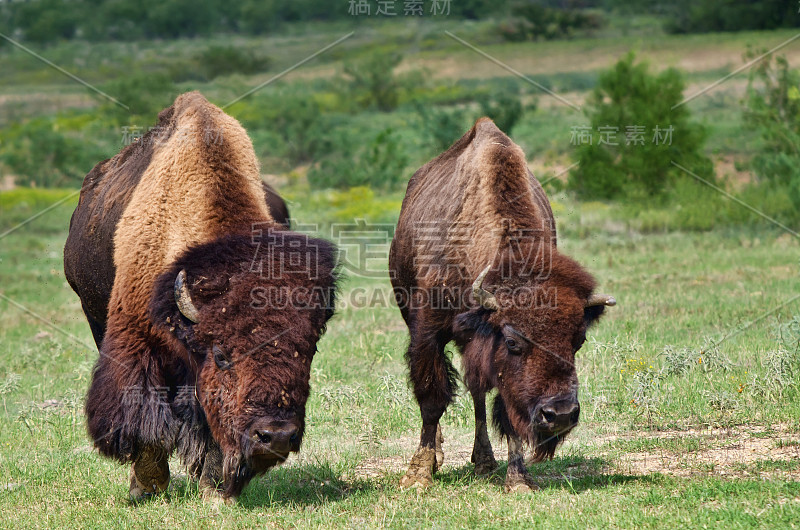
[
  {"x": 149, "y": 474},
  {"x": 421, "y": 469},
  {"x": 519, "y": 484},
  {"x": 142, "y": 491},
  {"x": 416, "y": 481},
  {"x": 485, "y": 465},
  {"x": 214, "y": 497}
]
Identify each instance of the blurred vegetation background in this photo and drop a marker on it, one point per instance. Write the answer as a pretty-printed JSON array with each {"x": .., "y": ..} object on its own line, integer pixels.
[{"x": 364, "y": 115}]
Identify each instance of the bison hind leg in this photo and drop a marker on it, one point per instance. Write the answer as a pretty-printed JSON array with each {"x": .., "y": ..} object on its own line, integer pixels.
[{"x": 434, "y": 380}]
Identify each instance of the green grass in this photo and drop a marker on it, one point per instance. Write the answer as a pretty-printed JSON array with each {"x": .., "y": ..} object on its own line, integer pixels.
[
  {"x": 682, "y": 290},
  {"x": 691, "y": 345}
]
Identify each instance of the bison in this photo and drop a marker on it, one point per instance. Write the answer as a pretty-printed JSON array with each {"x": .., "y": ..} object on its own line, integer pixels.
[
  {"x": 179, "y": 266},
  {"x": 474, "y": 260}
]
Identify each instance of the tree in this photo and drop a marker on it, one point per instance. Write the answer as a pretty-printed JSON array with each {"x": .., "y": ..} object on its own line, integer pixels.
[
  {"x": 772, "y": 106},
  {"x": 637, "y": 130}
]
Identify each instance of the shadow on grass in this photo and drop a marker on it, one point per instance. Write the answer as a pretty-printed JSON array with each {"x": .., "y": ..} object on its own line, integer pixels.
[
  {"x": 308, "y": 484},
  {"x": 319, "y": 483},
  {"x": 572, "y": 473}
]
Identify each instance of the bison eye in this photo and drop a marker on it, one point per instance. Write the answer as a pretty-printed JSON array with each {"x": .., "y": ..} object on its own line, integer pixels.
[
  {"x": 512, "y": 345},
  {"x": 221, "y": 358}
]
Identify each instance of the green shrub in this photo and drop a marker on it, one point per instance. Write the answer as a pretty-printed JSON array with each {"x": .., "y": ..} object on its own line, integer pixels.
[
  {"x": 294, "y": 117},
  {"x": 534, "y": 20},
  {"x": 47, "y": 21},
  {"x": 43, "y": 152},
  {"x": 380, "y": 164},
  {"x": 689, "y": 16},
  {"x": 216, "y": 61},
  {"x": 505, "y": 108},
  {"x": 372, "y": 83},
  {"x": 145, "y": 95},
  {"x": 630, "y": 104},
  {"x": 441, "y": 126},
  {"x": 772, "y": 107}
]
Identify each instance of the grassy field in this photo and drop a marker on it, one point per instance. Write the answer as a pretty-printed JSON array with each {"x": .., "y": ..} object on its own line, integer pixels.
[
  {"x": 689, "y": 386},
  {"x": 690, "y": 413}
]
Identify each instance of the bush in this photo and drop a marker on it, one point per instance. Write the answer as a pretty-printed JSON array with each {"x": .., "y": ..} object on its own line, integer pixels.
[
  {"x": 41, "y": 152},
  {"x": 689, "y": 16},
  {"x": 534, "y": 20},
  {"x": 634, "y": 110},
  {"x": 505, "y": 108},
  {"x": 46, "y": 21},
  {"x": 216, "y": 61},
  {"x": 772, "y": 107},
  {"x": 379, "y": 164},
  {"x": 441, "y": 127},
  {"x": 145, "y": 95},
  {"x": 293, "y": 116},
  {"x": 371, "y": 82}
]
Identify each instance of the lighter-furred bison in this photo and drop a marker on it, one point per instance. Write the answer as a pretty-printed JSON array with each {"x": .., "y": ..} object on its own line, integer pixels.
[
  {"x": 474, "y": 260},
  {"x": 166, "y": 247}
]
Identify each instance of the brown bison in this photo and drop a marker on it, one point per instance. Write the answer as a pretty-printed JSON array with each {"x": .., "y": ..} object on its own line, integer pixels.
[
  {"x": 179, "y": 264},
  {"x": 474, "y": 260}
]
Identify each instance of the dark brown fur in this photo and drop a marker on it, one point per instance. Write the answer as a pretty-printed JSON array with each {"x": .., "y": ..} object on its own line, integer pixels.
[
  {"x": 487, "y": 209},
  {"x": 158, "y": 386}
]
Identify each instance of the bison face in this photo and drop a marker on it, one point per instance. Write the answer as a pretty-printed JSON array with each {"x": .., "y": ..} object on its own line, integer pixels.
[
  {"x": 524, "y": 343},
  {"x": 250, "y": 336}
]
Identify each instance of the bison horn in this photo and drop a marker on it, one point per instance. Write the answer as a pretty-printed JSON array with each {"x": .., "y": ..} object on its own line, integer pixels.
[
  {"x": 601, "y": 299},
  {"x": 482, "y": 296},
  {"x": 184, "y": 299}
]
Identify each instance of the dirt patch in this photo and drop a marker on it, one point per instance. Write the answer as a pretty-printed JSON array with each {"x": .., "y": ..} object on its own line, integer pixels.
[
  {"x": 761, "y": 452},
  {"x": 746, "y": 451},
  {"x": 395, "y": 457}
]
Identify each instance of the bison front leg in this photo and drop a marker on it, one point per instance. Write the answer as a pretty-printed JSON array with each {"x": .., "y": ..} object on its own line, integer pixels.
[
  {"x": 482, "y": 453},
  {"x": 149, "y": 473},
  {"x": 517, "y": 476},
  {"x": 432, "y": 378},
  {"x": 211, "y": 477}
]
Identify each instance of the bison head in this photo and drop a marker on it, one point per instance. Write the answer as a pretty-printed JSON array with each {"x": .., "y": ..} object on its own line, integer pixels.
[
  {"x": 248, "y": 312},
  {"x": 522, "y": 339}
]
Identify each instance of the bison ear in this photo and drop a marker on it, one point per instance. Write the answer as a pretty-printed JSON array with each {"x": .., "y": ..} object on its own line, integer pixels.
[
  {"x": 591, "y": 314},
  {"x": 470, "y": 322},
  {"x": 595, "y": 306}
]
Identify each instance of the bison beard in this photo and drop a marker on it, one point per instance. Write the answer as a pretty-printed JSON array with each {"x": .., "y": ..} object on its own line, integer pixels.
[{"x": 544, "y": 443}]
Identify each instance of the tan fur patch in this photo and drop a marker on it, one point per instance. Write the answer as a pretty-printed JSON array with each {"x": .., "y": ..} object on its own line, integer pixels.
[
  {"x": 202, "y": 182},
  {"x": 490, "y": 190}
]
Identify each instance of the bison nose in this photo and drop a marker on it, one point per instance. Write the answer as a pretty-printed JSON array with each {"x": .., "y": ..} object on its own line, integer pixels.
[
  {"x": 558, "y": 415},
  {"x": 278, "y": 438}
]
